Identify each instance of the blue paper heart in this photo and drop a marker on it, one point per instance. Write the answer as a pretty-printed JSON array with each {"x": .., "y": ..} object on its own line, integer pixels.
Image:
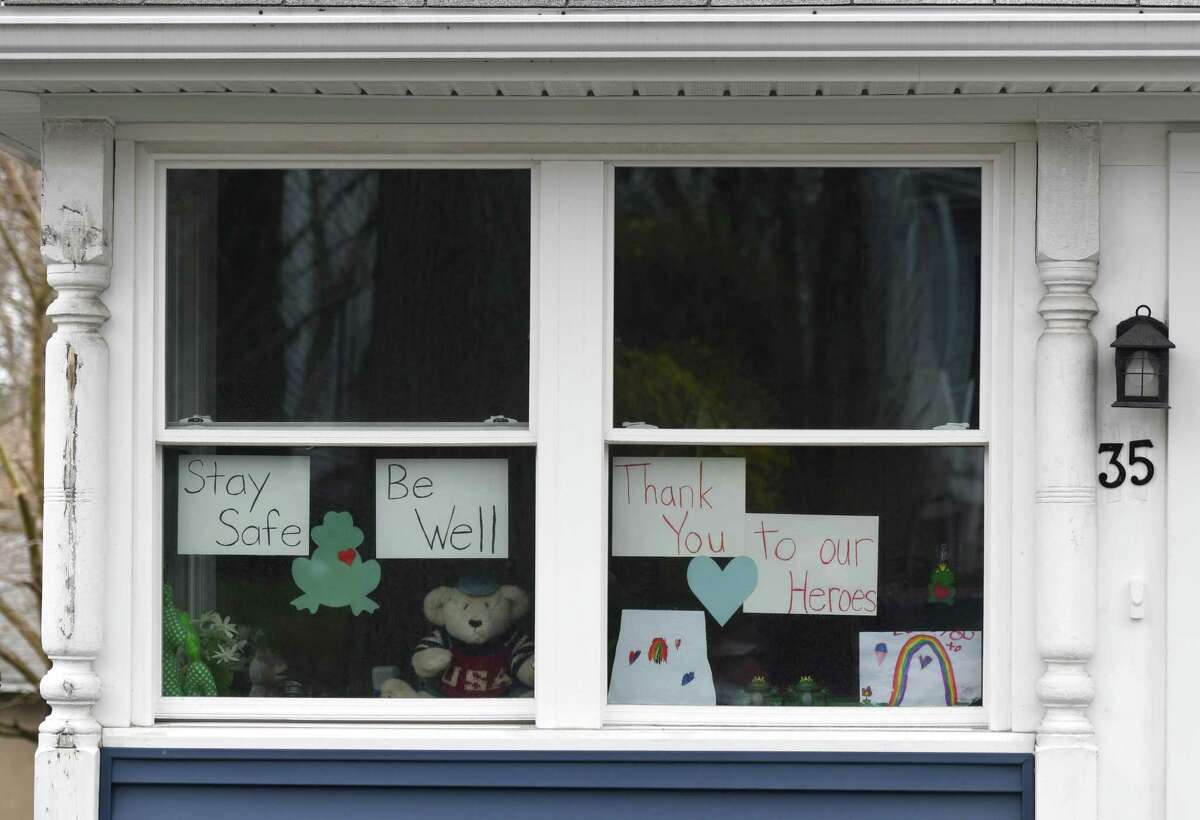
[{"x": 722, "y": 591}]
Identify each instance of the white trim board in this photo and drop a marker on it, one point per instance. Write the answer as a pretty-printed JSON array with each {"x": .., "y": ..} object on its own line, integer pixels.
[
  {"x": 433, "y": 737},
  {"x": 567, "y": 345},
  {"x": 279, "y": 33},
  {"x": 1183, "y": 472},
  {"x": 366, "y": 120}
]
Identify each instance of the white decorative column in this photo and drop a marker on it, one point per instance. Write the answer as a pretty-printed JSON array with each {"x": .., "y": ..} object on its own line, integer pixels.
[
  {"x": 1068, "y": 247},
  {"x": 77, "y": 165}
]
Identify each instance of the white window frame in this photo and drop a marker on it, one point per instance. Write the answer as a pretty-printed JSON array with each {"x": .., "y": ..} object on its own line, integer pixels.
[
  {"x": 571, "y": 427},
  {"x": 982, "y": 438},
  {"x": 169, "y": 434}
]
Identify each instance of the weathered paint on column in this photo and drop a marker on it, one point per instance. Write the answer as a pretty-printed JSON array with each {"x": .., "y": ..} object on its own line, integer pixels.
[
  {"x": 1068, "y": 248},
  {"x": 76, "y": 244}
]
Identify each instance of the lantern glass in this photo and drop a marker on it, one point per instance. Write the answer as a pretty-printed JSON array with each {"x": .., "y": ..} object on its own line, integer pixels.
[{"x": 1142, "y": 375}]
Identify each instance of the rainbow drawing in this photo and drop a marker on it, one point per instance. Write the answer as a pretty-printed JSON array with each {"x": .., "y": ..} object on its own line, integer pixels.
[
  {"x": 657, "y": 653},
  {"x": 908, "y": 654}
]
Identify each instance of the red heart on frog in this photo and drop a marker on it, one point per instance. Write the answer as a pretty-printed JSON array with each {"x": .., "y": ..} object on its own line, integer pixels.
[
  {"x": 941, "y": 593},
  {"x": 346, "y": 556}
]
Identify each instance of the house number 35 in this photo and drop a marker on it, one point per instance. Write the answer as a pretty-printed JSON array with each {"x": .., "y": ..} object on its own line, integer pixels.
[{"x": 1114, "y": 453}]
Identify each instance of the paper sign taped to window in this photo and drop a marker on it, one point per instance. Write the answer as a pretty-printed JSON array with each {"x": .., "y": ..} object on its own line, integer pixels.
[
  {"x": 814, "y": 564},
  {"x": 678, "y": 507},
  {"x": 662, "y": 658},
  {"x": 920, "y": 668},
  {"x": 243, "y": 505},
  {"x": 441, "y": 508}
]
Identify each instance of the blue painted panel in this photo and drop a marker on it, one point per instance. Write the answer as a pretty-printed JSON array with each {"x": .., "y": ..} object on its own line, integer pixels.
[{"x": 266, "y": 785}]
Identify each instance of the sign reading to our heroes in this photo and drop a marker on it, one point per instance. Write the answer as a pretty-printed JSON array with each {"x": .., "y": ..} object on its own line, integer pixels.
[
  {"x": 441, "y": 508},
  {"x": 814, "y": 564},
  {"x": 243, "y": 505},
  {"x": 678, "y": 507}
]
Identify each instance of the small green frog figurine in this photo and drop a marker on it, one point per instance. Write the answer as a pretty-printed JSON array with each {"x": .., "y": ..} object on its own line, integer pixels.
[{"x": 336, "y": 575}]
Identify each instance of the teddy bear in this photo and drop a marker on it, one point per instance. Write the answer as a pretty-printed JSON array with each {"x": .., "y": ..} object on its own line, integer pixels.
[
  {"x": 475, "y": 650},
  {"x": 267, "y": 671}
]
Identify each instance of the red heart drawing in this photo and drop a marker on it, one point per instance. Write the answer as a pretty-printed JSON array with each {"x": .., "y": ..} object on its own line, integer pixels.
[
  {"x": 347, "y": 556},
  {"x": 633, "y": 656},
  {"x": 678, "y": 641}
]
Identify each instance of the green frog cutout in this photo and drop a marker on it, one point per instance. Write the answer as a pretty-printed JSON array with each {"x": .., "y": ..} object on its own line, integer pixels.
[
  {"x": 941, "y": 585},
  {"x": 336, "y": 575}
]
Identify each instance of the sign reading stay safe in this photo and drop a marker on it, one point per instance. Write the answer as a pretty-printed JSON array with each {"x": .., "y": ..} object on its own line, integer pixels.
[
  {"x": 441, "y": 508},
  {"x": 243, "y": 505}
]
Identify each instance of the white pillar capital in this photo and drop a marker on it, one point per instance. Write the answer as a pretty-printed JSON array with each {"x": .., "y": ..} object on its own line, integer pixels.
[
  {"x": 77, "y": 193},
  {"x": 1068, "y": 250}
]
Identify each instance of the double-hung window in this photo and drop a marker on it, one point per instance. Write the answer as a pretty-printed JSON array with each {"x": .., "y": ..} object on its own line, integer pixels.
[
  {"x": 347, "y": 462},
  {"x": 797, "y": 470},
  {"x": 391, "y": 395}
]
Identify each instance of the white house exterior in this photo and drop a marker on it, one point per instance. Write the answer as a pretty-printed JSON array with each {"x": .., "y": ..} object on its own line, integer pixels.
[{"x": 1084, "y": 123}]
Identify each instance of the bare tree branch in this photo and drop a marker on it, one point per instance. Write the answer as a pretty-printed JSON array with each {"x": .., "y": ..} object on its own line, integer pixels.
[
  {"x": 23, "y": 669},
  {"x": 22, "y": 268},
  {"x": 26, "y": 201},
  {"x": 29, "y": 520},
  {"x": 25, "y": 294},
  {"x": 15, "y": 729},
  {"x": 24, "y": 628}
]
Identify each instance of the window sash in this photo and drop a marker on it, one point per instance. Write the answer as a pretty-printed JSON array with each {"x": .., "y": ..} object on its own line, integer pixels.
[
  {"x": 322, "y": 434},
  {"x": 572, "y": 225}
]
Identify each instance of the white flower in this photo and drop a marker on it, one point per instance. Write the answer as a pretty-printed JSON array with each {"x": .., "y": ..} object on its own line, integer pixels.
[
  {"x": 227, "y": 654},
  {"x": 222, "y": 627}
]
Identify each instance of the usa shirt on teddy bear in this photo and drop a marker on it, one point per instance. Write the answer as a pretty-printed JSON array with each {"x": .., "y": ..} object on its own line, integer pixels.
[{"x": 485, "y": 671}]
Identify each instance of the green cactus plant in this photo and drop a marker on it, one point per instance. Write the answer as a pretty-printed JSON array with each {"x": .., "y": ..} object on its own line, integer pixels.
[{"x": 184, "y": 673}]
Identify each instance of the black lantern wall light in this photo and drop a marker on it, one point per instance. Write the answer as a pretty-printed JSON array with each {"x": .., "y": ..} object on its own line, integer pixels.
[{"x": 1142, "y": 347}]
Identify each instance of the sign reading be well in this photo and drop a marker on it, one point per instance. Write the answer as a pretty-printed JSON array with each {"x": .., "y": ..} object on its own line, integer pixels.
[
  {"x": 678, "y": 507},
  {"x": 441, "y": 508},
  {"x": 243, "y": 505}
]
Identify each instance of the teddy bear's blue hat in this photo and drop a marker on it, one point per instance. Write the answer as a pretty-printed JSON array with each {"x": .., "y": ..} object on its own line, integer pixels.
[{"x": 477, "y": 585}]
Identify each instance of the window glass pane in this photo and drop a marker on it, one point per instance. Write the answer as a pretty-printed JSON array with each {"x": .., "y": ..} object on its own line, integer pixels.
[
  {"x": 327, "y": 572},
  {"x": 797, "y": 297},
  {"x": 348, "y": 295},
  {"x": 796, "y": 575}
]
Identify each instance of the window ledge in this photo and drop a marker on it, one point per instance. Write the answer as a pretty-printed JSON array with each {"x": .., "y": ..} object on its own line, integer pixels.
[{"x": 529, "y": 738}]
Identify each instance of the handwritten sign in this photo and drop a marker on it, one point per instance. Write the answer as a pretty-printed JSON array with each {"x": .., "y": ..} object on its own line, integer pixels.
[
  {"x": 662, "y": 657},
  {"x": 920, "y": 668},
  {"x": 441, "y": 508},
  {"x": 678, "y": 507},
  {"x": 814, "y": 564},
  {"x": 243, "y": 505}
]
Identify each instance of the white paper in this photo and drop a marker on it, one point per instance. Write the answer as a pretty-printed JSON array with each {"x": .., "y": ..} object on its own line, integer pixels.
[
  {"x": 814, "y": 564},
  {"x": 920, "y": 668},
  {"x": 678, "y": 507},
  {"x": 662, "y": 658},
  {"x": 243, "y": 505},
  {"x": 441, "y": 508}
]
